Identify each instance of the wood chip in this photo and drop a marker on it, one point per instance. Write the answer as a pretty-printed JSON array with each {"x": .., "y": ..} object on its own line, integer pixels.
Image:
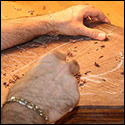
[
  {"x": 14, "y": 79},
  {"x": 86, "y": 73},
  {"x": 107, "y": 14},
  {"x": 104, "y": 80},
  {"x": 97, "y": 49},
  {"x": 77, "y": 76},
  {"x": 82, "y": 83},
  {"x": 4, "y": 83},
  {"x": 4, "y": 74},
  {"x": 103, "y": 46},
  {"x": 11, "y": 81},
  {"x": 43, "y": 7},
  {"x": 31, "y": 12},
  {"x": 96, "y": 64},
  {"x": 122, "y": 73},
  {"x": 95, "y": 42},
  {"x": 69, "y": 54},
  {"x": 101, "y": 57}
]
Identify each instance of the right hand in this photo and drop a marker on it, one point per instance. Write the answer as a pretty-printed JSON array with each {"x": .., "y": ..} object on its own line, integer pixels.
[{"x": 51, "y": 85}]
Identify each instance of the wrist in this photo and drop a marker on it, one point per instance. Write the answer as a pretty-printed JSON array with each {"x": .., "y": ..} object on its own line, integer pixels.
[
  {"x": 61, "y": 22},
  {"x": 14, "y": 113},
  {"x": 48, "y": 22},
  {"x": 40, "y": 102},
  {"x": 49, "y": 108}
]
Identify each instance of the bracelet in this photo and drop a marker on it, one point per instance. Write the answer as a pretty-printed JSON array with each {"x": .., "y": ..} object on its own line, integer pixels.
[
  {"x": 29, "y": 105},
  {"x": 53, "y": 24}
]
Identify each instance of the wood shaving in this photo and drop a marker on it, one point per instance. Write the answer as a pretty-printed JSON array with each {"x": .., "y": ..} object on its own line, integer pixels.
[
  {"x": 43, "y": 7},
  {"x": 122, "y": 73},
  {"x": 86, "y": 73},
  {"x": 77, "y": 76},
  {"x": 31, "y": 12},
  {"x": 96, "y": 64},
  {"x": 101, "y": 57},
  {"x": 69, "y": 53},
  {"x": 103, "y": 46}
]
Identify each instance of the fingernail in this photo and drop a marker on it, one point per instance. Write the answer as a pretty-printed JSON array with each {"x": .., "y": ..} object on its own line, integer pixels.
[
  {"x": 107, "y": 21},
  {"x": 101, "y": 36}
]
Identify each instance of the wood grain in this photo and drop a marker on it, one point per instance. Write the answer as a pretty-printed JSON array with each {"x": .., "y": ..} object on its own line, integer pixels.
[
  {"x": 102, "y": 96},
  {"x": 96, "y": 91},
  {"x": 113, "y": 9},
  {"x": 94, "y": 115}
]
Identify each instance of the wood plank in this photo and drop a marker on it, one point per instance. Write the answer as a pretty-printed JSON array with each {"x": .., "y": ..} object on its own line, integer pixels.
[
  {"x": 113, "y": 9},
  {"x": 94, "y": 115},
  {"x": 104, "y": 85},
  {"x": 102, "y": 96}
]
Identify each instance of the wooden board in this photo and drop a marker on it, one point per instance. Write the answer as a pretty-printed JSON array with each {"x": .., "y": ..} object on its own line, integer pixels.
[
  {"x": 105, "y": 86},
  {"x": 94, "y": 115},
  {"x": 11, "y": 9}
]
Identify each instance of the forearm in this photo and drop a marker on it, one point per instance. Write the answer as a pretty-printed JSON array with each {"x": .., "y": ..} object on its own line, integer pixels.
[{"x": 21, "y": 30}]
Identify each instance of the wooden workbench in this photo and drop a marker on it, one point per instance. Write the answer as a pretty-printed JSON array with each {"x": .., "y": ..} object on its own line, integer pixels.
[{"x": 102, "y": 95}]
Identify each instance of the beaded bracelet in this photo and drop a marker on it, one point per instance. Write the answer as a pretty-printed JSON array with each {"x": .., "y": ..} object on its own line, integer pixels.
[
  {"x": 53, "y": 24},
  {"x": 29, "y": 105}
]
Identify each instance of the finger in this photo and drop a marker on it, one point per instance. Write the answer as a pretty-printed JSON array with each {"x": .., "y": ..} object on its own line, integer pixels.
[
  {"x": 93, "y": 12},
  {"x": 92, "y": 33},
  {"x": 60, "y": 56},
  {"x": 95, "y": 33},
  {"x": 74, "y": 67}
]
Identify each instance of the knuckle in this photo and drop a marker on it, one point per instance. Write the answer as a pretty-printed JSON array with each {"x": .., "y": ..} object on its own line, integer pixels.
[
  {"x": 49, "y": 58},
  {"x": 60, "y": 55},
  {"x": 94, "y": 33}
]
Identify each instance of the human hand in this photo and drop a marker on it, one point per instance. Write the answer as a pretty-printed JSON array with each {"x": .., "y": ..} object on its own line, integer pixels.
[
  {"x": 70, "y": 21},
  {"x": 51, "y": 85}
]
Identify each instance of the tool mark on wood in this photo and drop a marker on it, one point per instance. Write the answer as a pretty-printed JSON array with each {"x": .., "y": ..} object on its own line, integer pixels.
[
  {"x": 14, "y": 55},
  {"x": 11, "y": 59},
  {"x": 37, "y": 59},
  {"x": 89, "y": 79},
  {"x": 26, "y": 50},
  {"x": 14, "y": 60},
  {"x": 116, "y": 68},
  {"x": 8, "y": 74},
  {"x": 98, "y": 78}
]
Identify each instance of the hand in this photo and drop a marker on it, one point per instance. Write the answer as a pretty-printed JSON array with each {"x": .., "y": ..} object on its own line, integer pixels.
[
  {"x": 51, "y": 85},
  {"x": 70, "y": 21}
]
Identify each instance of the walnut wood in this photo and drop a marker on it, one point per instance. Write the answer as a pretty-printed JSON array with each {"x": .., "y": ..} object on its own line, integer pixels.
[{"x": 94, "y": 115}]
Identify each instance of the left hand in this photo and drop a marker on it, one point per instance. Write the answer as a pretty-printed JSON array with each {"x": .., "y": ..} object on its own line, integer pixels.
[{"x": 70, "y": 21}]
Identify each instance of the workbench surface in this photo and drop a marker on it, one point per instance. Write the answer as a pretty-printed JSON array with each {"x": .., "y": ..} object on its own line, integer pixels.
[{"x": 101, "y": 62}]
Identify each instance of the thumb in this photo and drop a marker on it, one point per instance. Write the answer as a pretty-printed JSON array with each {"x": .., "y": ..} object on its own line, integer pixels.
[
  {"x": 74, "y": 67},
  {"x": 94, "y": 33}
]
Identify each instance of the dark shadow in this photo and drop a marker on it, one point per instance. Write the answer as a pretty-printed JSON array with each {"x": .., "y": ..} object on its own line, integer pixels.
[{"x": 80, "y": 114}]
